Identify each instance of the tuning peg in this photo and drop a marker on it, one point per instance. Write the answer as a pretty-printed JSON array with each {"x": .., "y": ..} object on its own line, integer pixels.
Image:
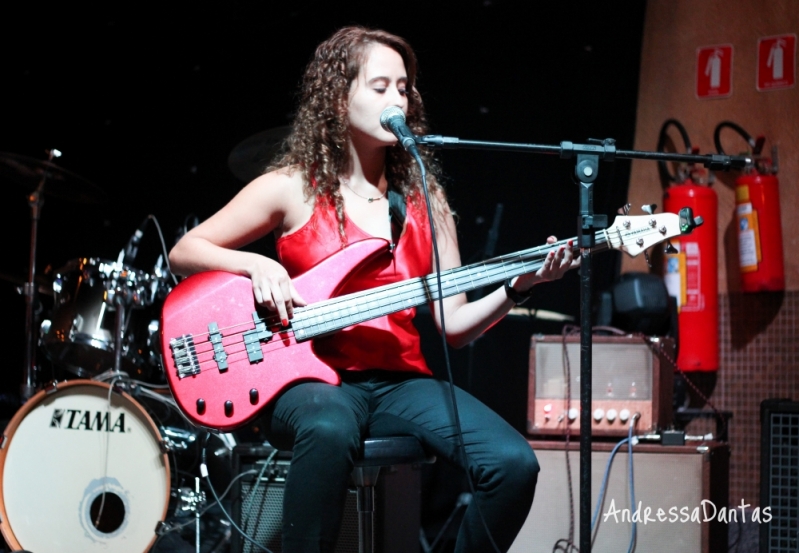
[
  {"x": 669, "y": 248},
  {"x": 624, "y": 210},
  {"x": 649, "y": 208},
  {"x": 687, "y": 220}
]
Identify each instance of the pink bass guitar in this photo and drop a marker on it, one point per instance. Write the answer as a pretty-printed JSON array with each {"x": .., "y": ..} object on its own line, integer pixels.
[{"x": 225, "y": 362}]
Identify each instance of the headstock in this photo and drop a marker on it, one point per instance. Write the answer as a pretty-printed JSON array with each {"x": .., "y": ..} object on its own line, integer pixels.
[{"x": 634, "y": 234}]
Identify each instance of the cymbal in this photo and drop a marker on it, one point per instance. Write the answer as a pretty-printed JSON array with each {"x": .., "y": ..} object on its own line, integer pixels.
[
  {"x": 251, "y": 156},
  {"x": 43, "y": 284},
  {"x": 59, "y": 182}
]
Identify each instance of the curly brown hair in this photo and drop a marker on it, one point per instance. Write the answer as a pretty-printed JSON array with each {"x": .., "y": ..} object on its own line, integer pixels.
[{"x": 318, "y": 143}]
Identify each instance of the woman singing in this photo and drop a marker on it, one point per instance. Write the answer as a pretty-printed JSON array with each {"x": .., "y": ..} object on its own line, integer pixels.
[{"x": 331, "y": 188}]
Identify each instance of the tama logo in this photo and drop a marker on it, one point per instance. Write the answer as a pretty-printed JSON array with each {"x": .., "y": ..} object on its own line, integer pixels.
[{"x": 77, "y": 419}]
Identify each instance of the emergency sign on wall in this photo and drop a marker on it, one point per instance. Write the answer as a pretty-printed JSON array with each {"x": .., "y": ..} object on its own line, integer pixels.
[
  {"x": 714, "y": 71},
  {"x": 776, "y": 62}
]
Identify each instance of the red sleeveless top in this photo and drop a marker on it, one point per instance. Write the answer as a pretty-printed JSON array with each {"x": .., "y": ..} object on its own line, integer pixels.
[{"x": 390, "y": 342}]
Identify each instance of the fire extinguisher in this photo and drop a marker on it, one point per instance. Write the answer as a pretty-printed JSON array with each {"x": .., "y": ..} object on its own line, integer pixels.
[
  {"x": 691, "y": 268},
  {"x": 757, "y": 211}
]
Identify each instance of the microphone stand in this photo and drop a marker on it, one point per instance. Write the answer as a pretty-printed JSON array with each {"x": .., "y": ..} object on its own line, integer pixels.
[{"x": 587, "y": 157}]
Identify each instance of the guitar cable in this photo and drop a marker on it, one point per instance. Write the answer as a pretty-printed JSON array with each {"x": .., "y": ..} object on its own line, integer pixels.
[
  {"x": 453, "y": 399},
  {"x": 218, "y": 500},
  {"x": 179, "y": 526}
]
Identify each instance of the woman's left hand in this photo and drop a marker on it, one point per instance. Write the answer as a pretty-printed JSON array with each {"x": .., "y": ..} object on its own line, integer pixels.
[{"x": 555, "y": 265}]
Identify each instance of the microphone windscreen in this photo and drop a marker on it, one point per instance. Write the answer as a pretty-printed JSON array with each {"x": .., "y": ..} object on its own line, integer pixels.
[{"x": 390, "y": 113}]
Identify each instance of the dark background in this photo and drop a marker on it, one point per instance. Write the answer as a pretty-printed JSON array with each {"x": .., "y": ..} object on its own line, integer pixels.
[{"x": 147, "y": 100}]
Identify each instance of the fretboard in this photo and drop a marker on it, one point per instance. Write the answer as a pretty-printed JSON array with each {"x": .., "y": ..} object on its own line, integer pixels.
[{"x": 343, "y": 311}]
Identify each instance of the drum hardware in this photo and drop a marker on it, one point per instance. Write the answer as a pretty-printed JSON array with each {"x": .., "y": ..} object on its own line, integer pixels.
[
  {"x": 105, "y": 317},
  {"x": 41, "y": 178},
  {"x": 190, "y": 507},
  {"x": 61, "y": 184},
  {"x": 190, "y": 501},
  {"x": 97, "y": 319},
  {"x": 51, "y": 387},
  {"x": 29, "y": 291},
  {"x": 43, "y": 285},
  {"x": 176, "y": 439}
]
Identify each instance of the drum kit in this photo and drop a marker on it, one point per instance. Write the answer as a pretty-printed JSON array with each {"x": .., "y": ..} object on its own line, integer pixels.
[{"x": 90, "y": 462}]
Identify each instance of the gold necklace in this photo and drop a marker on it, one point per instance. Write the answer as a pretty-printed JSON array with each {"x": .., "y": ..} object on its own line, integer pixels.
[{"x": 368, "y": 199}]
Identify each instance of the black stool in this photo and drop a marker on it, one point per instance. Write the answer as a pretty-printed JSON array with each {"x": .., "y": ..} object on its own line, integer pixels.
[{"x": 375, "y": 454}]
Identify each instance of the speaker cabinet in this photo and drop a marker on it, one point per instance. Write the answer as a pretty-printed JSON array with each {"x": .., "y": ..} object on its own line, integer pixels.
[
  {"x": 258, "y": 504},
  {"x": 779, "y": 475},
  {"x": 676, "y": 479}
]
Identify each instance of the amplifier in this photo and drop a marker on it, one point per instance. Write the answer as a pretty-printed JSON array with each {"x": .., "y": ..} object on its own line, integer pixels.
[
  {"x": 678, "y": 481},
  {"x": 258, "y": 501},
  {"x": 627, "y": 377},
  {"x": 257, "y": 507},
  {"x": 779, "y": 477}
]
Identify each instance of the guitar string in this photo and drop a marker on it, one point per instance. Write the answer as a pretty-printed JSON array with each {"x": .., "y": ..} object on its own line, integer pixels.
[
  {"x": 492, "y": 269},
  {"x": 231, "y": 350},
  {"x": 394, "y": 293},
  {"x": 496, "y": 264},
  {"x": 204, "y": 348},
  {"x": 329, "y": 304}
]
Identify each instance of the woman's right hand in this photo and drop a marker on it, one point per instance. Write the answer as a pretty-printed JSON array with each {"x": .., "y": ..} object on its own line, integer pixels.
[{"x": 273, "y": 288}]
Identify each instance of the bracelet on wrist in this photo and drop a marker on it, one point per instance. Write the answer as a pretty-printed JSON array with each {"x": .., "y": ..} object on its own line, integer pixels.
[{"x": 514, "y": 295}]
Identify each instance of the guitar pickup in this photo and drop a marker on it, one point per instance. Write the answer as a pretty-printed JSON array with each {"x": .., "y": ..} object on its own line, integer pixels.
[
  {"x": 253, "y": 339},
  {"x": 185, "y": 356},
  {"x": 215, "y": 337}
]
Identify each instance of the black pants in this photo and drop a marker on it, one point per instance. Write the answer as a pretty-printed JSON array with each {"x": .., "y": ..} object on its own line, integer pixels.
[{"x": 324, "y": 425}]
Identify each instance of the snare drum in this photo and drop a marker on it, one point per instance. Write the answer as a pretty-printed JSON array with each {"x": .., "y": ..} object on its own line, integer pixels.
[
  {"x": 80, "y": 335},
  {"x": 62, "y": 452}
]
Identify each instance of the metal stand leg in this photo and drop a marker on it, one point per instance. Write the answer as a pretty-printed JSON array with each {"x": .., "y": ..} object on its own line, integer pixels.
[{"x": 365, "y": 480}]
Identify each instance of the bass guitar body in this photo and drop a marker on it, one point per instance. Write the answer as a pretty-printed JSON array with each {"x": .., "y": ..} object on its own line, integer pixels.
[{"x": 233, "y": 381}]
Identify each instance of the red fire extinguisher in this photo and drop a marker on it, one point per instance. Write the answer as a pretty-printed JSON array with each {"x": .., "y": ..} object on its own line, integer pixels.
[
  {"x": 691, "y": 269},
  {"x": 757, "y": 211}
]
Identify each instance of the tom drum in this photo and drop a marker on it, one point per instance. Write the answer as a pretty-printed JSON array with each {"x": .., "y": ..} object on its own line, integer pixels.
[{"x": 80, "y": 336}]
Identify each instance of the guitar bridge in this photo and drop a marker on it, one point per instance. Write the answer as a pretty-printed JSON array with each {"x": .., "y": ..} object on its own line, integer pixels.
[{"x": 185, "y": 356}]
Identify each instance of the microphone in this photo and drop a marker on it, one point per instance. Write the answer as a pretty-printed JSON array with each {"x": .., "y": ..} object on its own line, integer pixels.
[
  {"x": 133, "y": 244},
  {"x": 393, "y": 120}
]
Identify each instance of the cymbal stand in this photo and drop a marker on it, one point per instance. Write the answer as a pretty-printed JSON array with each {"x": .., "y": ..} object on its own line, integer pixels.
[
  {"x": 119, "y": 331},
  {"x": 35, "y": 200},
  {"x": 122, "y": 294}
]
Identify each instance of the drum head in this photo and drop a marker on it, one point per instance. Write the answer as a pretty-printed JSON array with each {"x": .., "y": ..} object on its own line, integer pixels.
[{"x": 78, "y": 475}]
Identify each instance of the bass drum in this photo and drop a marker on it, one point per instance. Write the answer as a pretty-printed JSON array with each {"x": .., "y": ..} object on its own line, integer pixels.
[{"x": 82, "y": 471}]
